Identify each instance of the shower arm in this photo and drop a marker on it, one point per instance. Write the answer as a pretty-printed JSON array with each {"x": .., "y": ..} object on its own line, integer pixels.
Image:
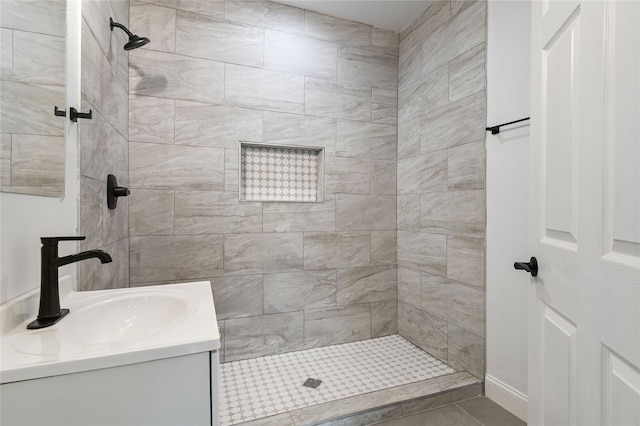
[{"x": 122, "y": 27}]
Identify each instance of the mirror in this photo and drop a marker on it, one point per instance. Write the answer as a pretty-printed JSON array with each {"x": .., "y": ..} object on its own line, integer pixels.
[{"x": 32, "y": 74}]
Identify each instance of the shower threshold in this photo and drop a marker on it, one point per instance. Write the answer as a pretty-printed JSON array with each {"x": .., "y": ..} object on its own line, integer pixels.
[{"x": 360, "y": 383}]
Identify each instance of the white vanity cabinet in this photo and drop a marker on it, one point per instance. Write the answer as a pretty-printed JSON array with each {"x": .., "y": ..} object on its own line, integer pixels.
[
  {"x": 172, "y": 391},
  {"x": 132, "y": 356}
]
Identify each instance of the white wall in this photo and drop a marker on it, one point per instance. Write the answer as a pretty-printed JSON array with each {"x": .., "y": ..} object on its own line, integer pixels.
[
  {"x": 26, "y": 218},
  {"x": 508, "y": 49}
]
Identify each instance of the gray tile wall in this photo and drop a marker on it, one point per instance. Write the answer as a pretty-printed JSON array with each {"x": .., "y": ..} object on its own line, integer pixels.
[
  {"x": 104, "y": 144},
  {"x": 285, "y": 276},
  {"x": 32, "y": 54},
  {"x": 441, "y": 175}
]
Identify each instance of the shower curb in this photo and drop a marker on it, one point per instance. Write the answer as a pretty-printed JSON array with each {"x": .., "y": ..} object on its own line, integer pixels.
[{"x": 382, "y": 405}]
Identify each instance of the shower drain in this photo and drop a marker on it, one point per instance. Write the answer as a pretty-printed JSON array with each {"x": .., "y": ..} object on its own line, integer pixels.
[{"x": 312, "y": 383}]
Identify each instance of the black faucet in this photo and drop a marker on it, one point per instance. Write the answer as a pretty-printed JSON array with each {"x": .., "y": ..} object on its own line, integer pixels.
[{"x": 50, "y": 312}]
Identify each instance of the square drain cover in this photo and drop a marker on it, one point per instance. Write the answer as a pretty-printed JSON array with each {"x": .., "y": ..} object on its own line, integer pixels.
[{"x": 312, "y": 383}]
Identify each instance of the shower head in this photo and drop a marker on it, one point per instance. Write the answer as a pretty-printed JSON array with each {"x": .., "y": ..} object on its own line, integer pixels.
[{"x": 134, "y": 40}]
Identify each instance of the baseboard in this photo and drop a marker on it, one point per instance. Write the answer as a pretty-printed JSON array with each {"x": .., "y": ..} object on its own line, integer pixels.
[{"x": 507, "y": 397}]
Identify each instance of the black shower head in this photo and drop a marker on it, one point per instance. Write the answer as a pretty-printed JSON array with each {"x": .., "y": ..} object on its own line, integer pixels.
[{"x": 134, "y": 40}]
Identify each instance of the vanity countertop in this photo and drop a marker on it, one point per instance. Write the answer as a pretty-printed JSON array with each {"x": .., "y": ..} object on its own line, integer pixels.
[{"x": 110, "y": 328}]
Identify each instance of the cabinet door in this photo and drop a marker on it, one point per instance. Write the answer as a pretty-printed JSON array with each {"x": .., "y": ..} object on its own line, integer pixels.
[{"x": 169, "y": 391}]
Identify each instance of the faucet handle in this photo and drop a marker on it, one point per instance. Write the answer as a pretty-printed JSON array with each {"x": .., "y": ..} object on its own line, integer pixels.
[{"x": 53, "y": 241}]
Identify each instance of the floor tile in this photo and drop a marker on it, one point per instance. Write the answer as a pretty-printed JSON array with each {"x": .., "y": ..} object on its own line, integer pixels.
[
  {"x": 489, "y": 413},
  {"x": 261, "y": 387},
  {"x": 450, "y": 415}
]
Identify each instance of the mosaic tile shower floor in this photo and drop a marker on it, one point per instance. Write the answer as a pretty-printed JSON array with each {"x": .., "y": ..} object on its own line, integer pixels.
[{"x": 262, "y": 387}]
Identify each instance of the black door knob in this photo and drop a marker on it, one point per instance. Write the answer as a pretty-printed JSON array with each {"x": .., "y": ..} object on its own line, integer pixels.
[{"x": 531, "y": 266}]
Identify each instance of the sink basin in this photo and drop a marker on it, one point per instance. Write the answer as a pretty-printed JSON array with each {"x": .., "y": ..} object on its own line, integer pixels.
[
  {"x": 109, "y": 319},
  {"x": 107, "y": 328}
]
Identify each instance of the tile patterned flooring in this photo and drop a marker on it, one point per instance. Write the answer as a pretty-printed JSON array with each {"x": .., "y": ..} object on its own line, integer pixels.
[
  {"x": 261, "y": 387},
  {"x": 473, "y": 412}
]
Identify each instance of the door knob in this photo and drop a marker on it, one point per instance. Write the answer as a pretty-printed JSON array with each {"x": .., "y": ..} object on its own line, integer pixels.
[{"x": 530, "y": 266}]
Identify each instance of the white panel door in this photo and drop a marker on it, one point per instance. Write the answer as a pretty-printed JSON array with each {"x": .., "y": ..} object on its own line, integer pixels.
[{"x": 584, "y": 304}]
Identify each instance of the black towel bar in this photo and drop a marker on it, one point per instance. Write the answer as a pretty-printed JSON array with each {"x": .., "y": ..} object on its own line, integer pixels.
[{"x": 496, "y": 129}]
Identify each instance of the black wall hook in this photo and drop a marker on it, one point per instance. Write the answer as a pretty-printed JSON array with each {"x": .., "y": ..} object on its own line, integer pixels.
[
  {"x": 59, "y": 112},
  {"x": 74, "y": 114}
]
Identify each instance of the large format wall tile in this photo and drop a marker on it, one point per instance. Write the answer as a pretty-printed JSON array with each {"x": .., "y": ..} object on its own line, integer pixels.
[
  {"x": 151, "y": 119},
  {"x": 383, "y": 247},
  {"x": 456, "y": 212},
  {"x": 457, "y": 36},
  {"x": 333, "y": 326},
  {"x": 428, "y": 93},
  {"x": 416, "y": 32},
  {"x": 166, "y": 75},
  {"x": 336, "y": 100},
  {"x": 157, "y": 23},
  {"x": 103, "y": 150},
  {"x": 366, "y": 140},
  {"x": 28, "y": 109},
  {"x": 423, "y": 330},
  {"x": 457, "y": 303},
  {"x": 151, "y": 212},
  {"x": 383, "y": 177},
  {"x": 237, "y": 297},
  {"x": 266, "y": 73},
  {"x": 162, "y": 166},
  {"x": 384, "y": 318},
  {"x": 262, "y": 253},
  {"x": 409, "y": 290},
  {"x": 92, "y": 63},
  {"x": 336, "y": 30},
  {"x": 444, "y": 128},
  {"x": 324, "y": 250},
  {"x": 37, "y": 58},
  {"x": 300, "y": 55},
  {"x": 424, "y": 173},
  {"x": 215, "y": 212},
  {"x": 177, "y": 257},
  {"x": 366, "y": 68},
  {"x": 466, "y": 166},
  {"x": 92, "y": 201},
  {"x": 465, "y": 260},
  {"x": 264, "y": 89},
  {"x": 263, "y": 335},
  {"x": 217, "y": 126},
  {"x": 347, "y": 175},
  {"x": 408, "y": 214},
  {"x": 409, "y": 138},
  {"x": 299, "y": 217},
  {"x": 465, "y": 350},
  {"x": 384, "y": 106},
  {"x": 46, "y": 17},
  {"x": 266, "y": 14},
  {"x": 367, "y": 284},
  {"x": 384, "y": 41},
  {"x": 221, "y": 40},
  {"x": 422, "y": 251},
  {"x": 467, "y": 73},
  {"x": 365, "y": 212},
  {"x": 301, "y": 130},
  {"x": 213, "y": 8},
  {"x": 37, "y": 162},
  {"x": 296, "y": 291},
  {"x": 441, "y": 174}
]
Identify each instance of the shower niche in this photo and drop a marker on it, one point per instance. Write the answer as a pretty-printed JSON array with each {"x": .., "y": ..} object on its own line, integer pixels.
[{"x": 280, "y": 173}]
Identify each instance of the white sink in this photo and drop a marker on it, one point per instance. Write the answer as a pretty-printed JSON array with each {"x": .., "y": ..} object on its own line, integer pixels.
[
  {"x": 112, "y": 319},
  {"x": 108, "y": 328}
]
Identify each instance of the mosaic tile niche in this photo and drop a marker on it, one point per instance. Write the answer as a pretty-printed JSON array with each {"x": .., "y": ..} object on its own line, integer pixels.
[{"x": 280, "y": 173}]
